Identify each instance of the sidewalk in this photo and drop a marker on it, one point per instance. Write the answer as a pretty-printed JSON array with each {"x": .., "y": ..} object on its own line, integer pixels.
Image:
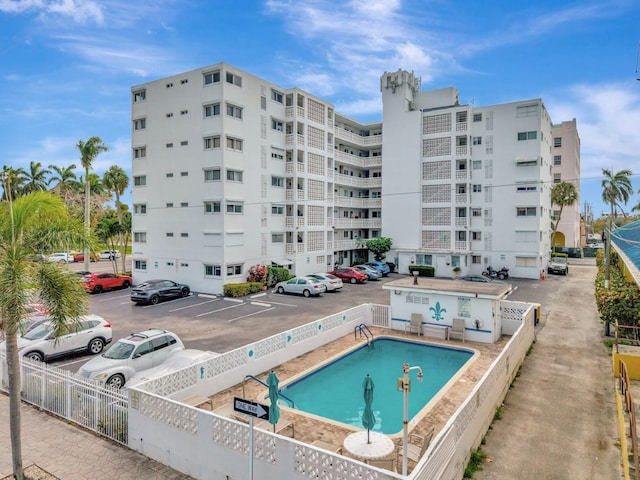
[
  {"x": 559, "y": 418},
  {"x": 70, "y": 453}
]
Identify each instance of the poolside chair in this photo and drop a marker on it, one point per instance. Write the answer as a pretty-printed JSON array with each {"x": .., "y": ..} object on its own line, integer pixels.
[
  {"x": 415, "y": 451},
  {"x": 457, "y": 329},
  {"x": 415, "y": 324},
  {"x": 386, "y": 463}
]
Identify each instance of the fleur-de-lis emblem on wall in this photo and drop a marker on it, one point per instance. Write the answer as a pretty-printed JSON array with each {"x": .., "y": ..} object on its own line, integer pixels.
[{"x": 438, "y": 312}]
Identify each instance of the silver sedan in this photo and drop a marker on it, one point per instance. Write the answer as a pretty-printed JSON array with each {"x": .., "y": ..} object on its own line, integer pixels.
[{"x": 301, "y": 286}]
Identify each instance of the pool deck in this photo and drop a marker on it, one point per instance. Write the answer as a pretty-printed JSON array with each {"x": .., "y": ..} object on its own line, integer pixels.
[{"x": 311, "y": 429}]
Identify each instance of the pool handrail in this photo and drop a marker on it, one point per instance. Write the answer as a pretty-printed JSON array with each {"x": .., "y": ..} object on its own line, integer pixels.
[
  {"x": 362, "y": 327},
  {"x": 280, "y": 394}
]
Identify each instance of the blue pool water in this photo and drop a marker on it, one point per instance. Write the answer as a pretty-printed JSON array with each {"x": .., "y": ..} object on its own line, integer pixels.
[{"x": 335, "y": 391}]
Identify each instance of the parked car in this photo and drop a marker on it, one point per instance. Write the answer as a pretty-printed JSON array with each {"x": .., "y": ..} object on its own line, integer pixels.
[
  {"x": 137, "y": 352},
  {"x": 35, "y": 314},
  {"x": 109, "y": 254},
  {"x": 99, "y": 282},
  {"x": 177, "y": 361},
  {"x": 60, "y": 257},
  {"x": 350, "y": 274},
  {"x": 79, "y": 257},
  {"x": 332, "y": 282},
  {"x": 379, "y": 265},
  {"x": 478, "y": 278},
  {"x": 392, "y": 266},
  {"x": 91, "y": 333},
  {"x": 302, "y": 286},
  {"x": 558, "y": 265},
  {"x": 372, "y": 273},
  {"x": 152, "y": 291}
]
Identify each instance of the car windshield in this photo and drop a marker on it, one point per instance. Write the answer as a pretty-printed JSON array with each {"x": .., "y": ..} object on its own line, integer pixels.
[
  {"x": 561, "y": 260},
  {"x": 332, "y": 277},
  {"x": 119, "y": 351},
  {"x": 38, "y": 332}
]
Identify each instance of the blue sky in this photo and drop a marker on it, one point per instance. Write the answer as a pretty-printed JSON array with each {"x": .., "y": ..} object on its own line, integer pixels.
[{"x": 66, "y": 66}]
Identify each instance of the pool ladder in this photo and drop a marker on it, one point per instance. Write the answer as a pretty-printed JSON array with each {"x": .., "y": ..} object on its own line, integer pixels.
[
  {"x": 364, "y": 330},
  {"x": 280, "y": 394}
]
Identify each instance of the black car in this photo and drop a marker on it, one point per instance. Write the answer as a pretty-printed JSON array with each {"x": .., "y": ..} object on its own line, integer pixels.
[{"x": 152, "y": 291}]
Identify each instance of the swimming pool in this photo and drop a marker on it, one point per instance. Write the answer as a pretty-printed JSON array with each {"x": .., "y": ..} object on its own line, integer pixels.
[{"x": 334, "y": 390}]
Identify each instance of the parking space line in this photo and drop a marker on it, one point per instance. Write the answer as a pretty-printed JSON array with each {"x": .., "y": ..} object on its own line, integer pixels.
[
  {"x": 261, "y": 304},
  {"x": 174, "y": 300},
  {"x": 220, "y": 309},
  {"x": 206, "y": 295},
  {"x": 251, "y": 314},
  {"x": 237, "y": 300},
  {"x": 114, "y": 298},
  {"x": 194, "y": 305},
  {"x": 283, "y": 304}
]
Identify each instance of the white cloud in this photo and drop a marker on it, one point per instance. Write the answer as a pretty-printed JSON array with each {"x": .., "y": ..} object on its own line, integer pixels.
[{"x": 81, "y": 11}]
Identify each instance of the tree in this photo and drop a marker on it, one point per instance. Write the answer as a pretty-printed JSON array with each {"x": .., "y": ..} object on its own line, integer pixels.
[
  {"x": 65, "y": 179},
  {"x": 563, "y": 194},
  {"x": 616, "y": 189},
  {"x": 109, "y": 231},
  {"x": 89, "y": 150},
  {"x": 24, "y": 279},
  {"x": 11, "y": 181},
  {"x": 379, "y": 247},
  {"x": 116, "y": 180},
  {"x": 35, "y": 179}
]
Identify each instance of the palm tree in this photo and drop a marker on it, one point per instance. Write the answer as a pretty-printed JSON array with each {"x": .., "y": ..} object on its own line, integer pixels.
[
  {"x": 89, "y": 150},
  {"x": 23, "y": 279},
  {"x": 563, "y": 194},
  {"x": 65, "y": 179},
  {"x": 35, "y": 180},
  {"x": 11, "y": 182},
  {"x": 616, "y": 188},
  {"x": 116, "y": 180}
]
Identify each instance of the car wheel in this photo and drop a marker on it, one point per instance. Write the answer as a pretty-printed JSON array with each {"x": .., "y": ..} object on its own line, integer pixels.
[
  {"x": 116, "y": 380},
  {"x": 35, "y": 356},
  {"x": 62, "y": 261},
  {"x": 280, "y": 290},
  {"x": 501, "y": 277},
  {"x": 184, "y": 292},
  {"x": 97, "y": 289},
  {"x": 96, "y": 346},
  {"x": 353, "y": 280},
  {"x": 306, "y": 293},
  {"x": 154, "y": 299},
  {"x": 126, "y": 284}
]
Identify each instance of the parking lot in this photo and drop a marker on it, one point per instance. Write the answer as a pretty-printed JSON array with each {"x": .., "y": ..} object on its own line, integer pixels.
[{"x": 217, "y": 324}]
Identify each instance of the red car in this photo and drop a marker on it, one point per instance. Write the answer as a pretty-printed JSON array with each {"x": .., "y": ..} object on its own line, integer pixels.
[
  {"x": 350, "y": 274},
  {"x": 79, "y": 257},
  {"x": 98, "y": 282}
]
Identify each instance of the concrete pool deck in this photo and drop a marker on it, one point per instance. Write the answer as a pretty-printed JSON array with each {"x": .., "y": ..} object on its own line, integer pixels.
[{"x": 309, "y": 429}]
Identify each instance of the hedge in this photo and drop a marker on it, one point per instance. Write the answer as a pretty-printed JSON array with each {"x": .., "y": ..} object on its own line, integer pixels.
[{"x": 423, "y": 270}]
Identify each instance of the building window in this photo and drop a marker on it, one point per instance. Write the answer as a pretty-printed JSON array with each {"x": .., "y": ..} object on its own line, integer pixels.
[
  {"x": 184, "y": 204},
  {"x": 557, "y": 177},
  {"x": 277, "y": 125},
  {"x": 183, "y": 81},
  {"x": 140, "y": 264},
  {"x": 211, "y": 174},
  {"x": 477, "y": 117},
  {"x": 234, "y": 144},
  {"x": 169, "y": 205},
  {"x": 234, "y": 207},
  {"x": 477, "y": 188},
  {"x": 476, "y": 212},
  {"x": 477, "y": 140},
  {"x": 557, "y": 159},
  {"x": 422, "y": 259},
  {"x": 234, "y": 176},
  {"x": 139, "y": 180},
  {"x": 476, "y": 235},
  {"x": 526, "y": 187},
  {"x": 184, "y": 143},
  {"x": 277, "y": 181},
  {"x": 526, "y": 211},
  {"x": 184, "y": 235},
  {"x": 184, "y": 112},
  {"x": 476, "y": 259},
  {"x": 277, "y": 153},
  {"x": 276, "y": 96},
  {"x": 211, "y": 77},
  {"x": 211, "y": 110},
  {"x": 234, "y": 79},
  {"x": 477, "y": 164},
  {"x": 557, "y": 141},
  {"x": 140, "y": 237},
  {"x": 140, "y": 124},
  {"x": 169, "y": 145},
  {"x": 169, "y": 115},
  {"x": 234, "y": 269},
  {"x": 527, "y": 162},
  {"x": 212, "y": 271},
  {"x": 212, "y": 142},
  {"x": 169, "y": 234},
  {"x": 184, "y": 174},
  {"x": 169, "y": 85},
  {"x": 277, "y": 209},
  {"x": 212, "y": 207},
  {"x": 277, "y": 238},
  {"x": 140, "y": 152},
  {"x": 234, "y": 111},
  {"x": 530, "y": 110},
  {"x": 169, "y": 175},
  {"x": 527, "y": 135},
  {"x": 139, "y": 208},
  {"x": 139, "y": 96}
]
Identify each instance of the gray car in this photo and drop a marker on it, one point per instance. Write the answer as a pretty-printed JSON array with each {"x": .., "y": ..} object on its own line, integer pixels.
[
  {"x": 302, "y": 286},
  {"x": 152, "y": 291}
]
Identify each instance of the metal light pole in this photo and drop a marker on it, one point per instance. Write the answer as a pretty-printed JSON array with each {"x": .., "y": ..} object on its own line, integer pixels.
[{"x": 404, "y": 384}]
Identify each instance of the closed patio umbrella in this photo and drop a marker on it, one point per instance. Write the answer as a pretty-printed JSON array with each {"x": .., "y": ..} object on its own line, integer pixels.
[
  {"x": 274, "y": 409},
  {"x": 368, "y": 418}
]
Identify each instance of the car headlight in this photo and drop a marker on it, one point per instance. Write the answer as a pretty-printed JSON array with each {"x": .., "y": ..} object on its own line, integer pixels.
[{"x": 102, "y": 376}]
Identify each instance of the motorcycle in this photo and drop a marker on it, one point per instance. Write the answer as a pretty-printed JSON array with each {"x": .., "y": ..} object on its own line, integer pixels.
[{"x": 501, "y": 274}]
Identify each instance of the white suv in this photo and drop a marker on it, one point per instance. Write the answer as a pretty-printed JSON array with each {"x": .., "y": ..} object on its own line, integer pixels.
[
  {"x": 90, "y": 334},
  {"x": 60, "y": 257},
  {"x": 138, "y": 351}
]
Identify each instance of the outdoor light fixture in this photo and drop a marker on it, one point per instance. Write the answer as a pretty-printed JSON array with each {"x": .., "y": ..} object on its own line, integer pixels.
[{"x": 404, "y": 385}]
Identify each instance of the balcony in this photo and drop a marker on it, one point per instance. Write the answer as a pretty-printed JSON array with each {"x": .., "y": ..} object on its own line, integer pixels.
[
  {"x": 288, "y": 111},
  {"x": 354, "y": 202},
  {"x": 461, "y": 222},
  {"x": 363, "y": 141},
  {"x": 350, "y": 223},
  {"x": 461, "y": 149},
  {"x": 356, "y": 160},
  {"x": 290, "y": 248},
  {"x": 461, "y": 246},
  {"x": 294, "y": 195},
  {"x": 345, "y": 245},
  {"x": 290, "y": 138},
  {"x": 462, "y": 198},
  {"x": 462, "y": 174},
  {"x": 360, "y": 182},
  {"x": 461, "y": 126}
]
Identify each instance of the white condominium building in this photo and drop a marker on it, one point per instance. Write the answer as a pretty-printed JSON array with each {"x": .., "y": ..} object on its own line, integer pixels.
[{"x": 231, "y": 171}]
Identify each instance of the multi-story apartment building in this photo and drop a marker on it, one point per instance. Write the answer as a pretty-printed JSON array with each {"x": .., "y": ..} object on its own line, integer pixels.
[
  {"x": 465, "y": 186},
  {"x": 230, "y": 171},
  {"x": 566, "y": 168}
]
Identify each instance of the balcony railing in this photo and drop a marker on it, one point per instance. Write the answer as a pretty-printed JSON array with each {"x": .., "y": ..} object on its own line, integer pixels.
[
  {"x": 354, "y": 202},
  {"x": 364, "y": 141},
  {"x": 462, "y": 197},
  {"x": 360, "y": 182},
  {"x": 345, "y": 245},
  {"x": 356, "y": 160},
  {"x": 461, "y": 149},
  {"x": 461, "y": 221},
  {"x": 462, "y": 174},
  {"x": 462, "y": 246},
  {"x": 461, "y": 127},
  {"x": 358, "y": 223}
]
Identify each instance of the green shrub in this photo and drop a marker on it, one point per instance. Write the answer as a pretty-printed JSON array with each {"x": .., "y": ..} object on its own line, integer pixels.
[
  {"x": 241, "y": 289},
  {"x": 476, "y": 460},
  {"x": 423, "y": 270},
  {"x": 277, "y": 274},
  {"x": 621, "y": 301}
]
